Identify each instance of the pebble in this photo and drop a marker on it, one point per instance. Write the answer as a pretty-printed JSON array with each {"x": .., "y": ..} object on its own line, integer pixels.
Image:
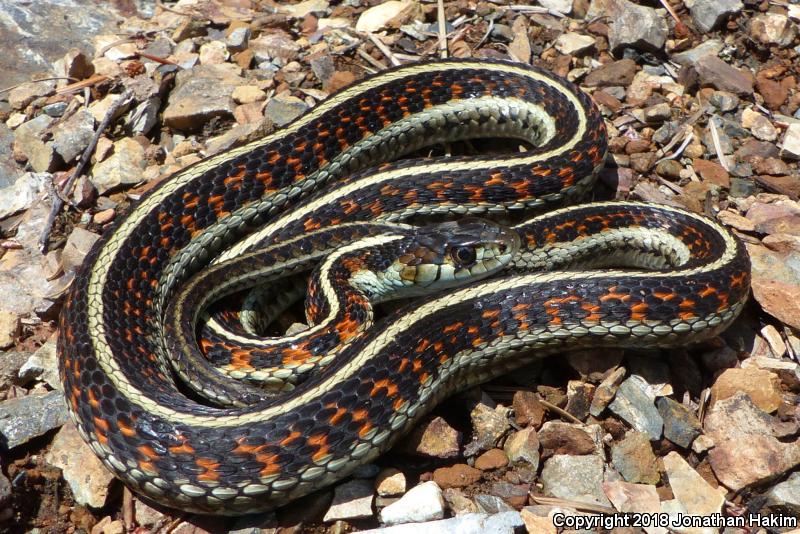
[
  {"x": 536, "y": 523},
  {"x": 9, "y": 328},
  {"x": 634, "y": 459},
  {"x": 515, "y": 495},
  {"x": 277, "y": 44},
  {"x": 71, "y": 137},
  {"x": 681, "y": 425},
  {"x": 611, "y": 74},
  {"x": 377, "y": 17},
  {"x": 573, "y": 44},
  {"x": 10, "y": 364},
  {"x": 630, "y": 498},
  {"x": 123, "y": 167},
  {"x": 422, "y": 503},
  {"x": 435, "y": 438},
  {"x": 790, "y": 147},
  {"x": 491, "y": 459},
  {"x": 28, "y": 142},
  {"x": 759, "y": 125},
  {"x": 78, "y": 245},
  {"x": 657, "y": 113},
  {"x": 559, "y": 6},
  {"x": 606, "y": 391},
  {"x": 22, "y": 193},
  {"x": 784, "y": 496},
  {"x": 669, "y": 169},
  {"x": 523, "y": 446},
  {"x": 774, "y": 93},
  {"x": 712, "y": 172},
  {"x": 564, "y": 438},
  {"x": 20, "y": 97},
  {"x": 489, "y": 426},
  {"x": 247, "y": 94},
  {"x": 502, "y": 523},
  {"x": 710, "y": 14},
  {"x": 456, "y": 476},
  {"x": 86, "y": 475},
  {"x": 714, "y": 72},
  {"x": 283, "y": 109},
  {"x": 528, "y": 410},
  {"x": 773, "y": 29},
  {"x": 634, "y": 406},
  {"x": 458, "y": 502},
  {"x": 690, "y": 489},
  {"x": 635, "y": 26},
  {"x": 25, "y": 418},
  {"x": 201, "y": 94},
  {"x": 689, "y": 57},
  {"x": 42, "y": 365},
  {"x": 351, "y": 500},
  {"x": 763, "y": 387},
  {"x": 390, "y": 482},
  {"x": 576, "y": 478}
]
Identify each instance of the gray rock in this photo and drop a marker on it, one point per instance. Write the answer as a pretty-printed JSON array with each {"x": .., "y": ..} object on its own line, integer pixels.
[
  {"x": 773, "y": 29},
  {"x": 238, "y": 39},
  {"x": 786, "y": 495},
  {"x": 283, "y": 109},
  {"x": 523, "y": 446},
  {"x": 503, "y": 523},
  {"x": 635, "y": 26},
  {"x": 23, "y": 193},
  {"x": 634, "y": 406},
  {"x": 634, "y": 459},
  {"x": 124, "y": 167},
  {"x": 423, "y": 502},
  {"x": 21, "y": 96},
  {"x": 491, "y": 504},
  {"x": 78, "y": 245},
  {"x": 323, "y": 68},
  {"x": 681, "y": 426},
  {"x": 5, "y": 489},
  {"x": 42, "y": 365},
  {"x": 577, "y": 478},
  {"x": 56, "y": 109},
  {"x": 709, "y": 14},
  {"x": 689, "y": 57},
  {"x": 25, "y": 418},
  {"x": 201, "y": 94},
  {"x": 10, "y": 364},
  {"x": 724, "y": 101},
  {"x": 712, "y": 71},
  {"x": 28, "y": 140},
  {"x": 71, "y": 137},
  {"x": 489, "y": 426},
  {"x": 351, "y": 500},
  {"x": 144, "y": 116}
]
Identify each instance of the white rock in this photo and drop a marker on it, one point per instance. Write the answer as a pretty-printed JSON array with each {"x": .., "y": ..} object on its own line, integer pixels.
[
  {"x": 559, "y": 6},
  {"x": 502, "y": 523},
  {"x": 573, "y": 43},
  {"x": 351, "y": 500},
  {"x": 773, "y": 28},
  {"x": 422, "y": 503},
  {"x": 690, "y": 489},
  {"x": 377, "y": 17},
  {"x": 791, "y": 142}
]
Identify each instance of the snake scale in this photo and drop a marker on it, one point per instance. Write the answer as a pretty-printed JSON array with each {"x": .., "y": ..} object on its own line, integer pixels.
[{"x": 684, "y": 278}]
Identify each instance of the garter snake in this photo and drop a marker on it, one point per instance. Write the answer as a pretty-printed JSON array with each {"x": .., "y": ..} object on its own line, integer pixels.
[{"x": 114, "y": 362}]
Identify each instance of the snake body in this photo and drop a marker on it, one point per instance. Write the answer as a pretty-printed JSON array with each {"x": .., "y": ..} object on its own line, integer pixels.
[{"x": 311, "y": 175}]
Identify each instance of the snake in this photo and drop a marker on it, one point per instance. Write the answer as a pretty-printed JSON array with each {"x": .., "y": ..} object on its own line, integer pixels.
[{"x": 617, "y": 273}]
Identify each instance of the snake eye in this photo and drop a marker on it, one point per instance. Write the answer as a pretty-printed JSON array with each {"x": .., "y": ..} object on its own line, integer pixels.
[{"x": 464, "y": 255}]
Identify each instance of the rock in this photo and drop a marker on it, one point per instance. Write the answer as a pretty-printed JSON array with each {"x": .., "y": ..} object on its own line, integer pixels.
[
  {"x": 772, "y": 166},
  {"x": 559, "y": 6},
  {"x": 579, "y": 397},
  {"x": 788, "y": 371},
  {"x": 763, "y": 387},
  {"x": 491, "y": 459},
  {"x": 606, "y": 390},
  {"x": 681, "y": 426},
  {"x": 392, "y": 12},
  {"x": 302, "y": 9},
  {"x": 10, "y": 364},
  {"x": 523, "y": 446},
  {"x": 689, "y": 57},
  {"x": 716, "y": 73},
  {"x": 657, "y": 113},
  {"x": 422, "y": 503},
  {"x": 515, "y": 495},
  {"x": 457, "y": 476},
  {"x": 213, "y": 53},
  {"x": 28, "y": 141},
  {"x": 577, "y": 478},
  {"x": 121, "y": 103},
  {"x": 736, "y": 420},
  {"x": 690, "y": 489},
  {"x": 71, "y": 137},
  {"x": 759, "y": 125},
  {"x": 458, "y": 502},
  {"x": 774, "y": 93},
  {"x": 435, "y": 438},
  {"x": 201, "y": 94},
  {"x": 20, "y": 97},
  {"x": 669, "y": 168},
  {"x": 573, "y": 44},
  {"x": 791, "y": 142},
  {"x": 124, "y": 167},
  {"x": 9, "y": 328},
  {"x": 634, "y": 459},
  {"x": 390, "y": 482},
  {"x": 781, "y": 217},
  {"x": 351, "y": 500},
  {"x": 78, "y": 245},
  {"x": 710, "y": 14},
  {"x": 25, "y": 418},
  {"x": 635, "y": 26},
  {"x": 503, "y": 523},
  {"x": 528, "y": 410},
  {"x": 616, "y": 73},
  {"x": 712, "y": 172},
  {"x": 563, "y": 438},
  {"x": 520, "y": 46},
  {"x": 86, "y": 475},
  {"x": 630, "y": 498},
  {"x": 491, "y": 504},
  {"x": 277, "y": 44},
  {"x": 785, "y": 497},
  {"x": 724, "y": 100},
  {"x": 283, "y": 109},
  {"x": 634, "y": 406},
  {"x": 246, "y": 94},
  {"x": 537, "y": 523},
  {"x": 773, "y": 28},
  {"x": 42, "y": 365},
  {"x": 489, "y": 426},
  {"x": 238, "y": 39}
]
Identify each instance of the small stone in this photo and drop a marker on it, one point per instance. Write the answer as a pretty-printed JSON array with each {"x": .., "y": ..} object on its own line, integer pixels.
[
  {"x": 772, "y": 166},
  {"x": 763, "y": 387},
  {"x": 681, "y": 426},
  {"x": 718, "y": 74},
  {"x": 710, "y": 14},
  {"x": 773, "y": 28},
  {"x": 456, "y": 476},
  {"x": 634, "y": 406},
  {"x": 515, "y": 495},
  {"x": 635, "y": 26},
  {"x": 791, "y": 142},
  {"x": 9, "y": 328},
  {"x": 528, "y": 410},
  {"x": 214, "y": 53},
  {"x": 247, "y": 94},
  {"x": 20, "y": 97},
  {"x": 505, "y": 522},
  {"x": 491, "y": 504},
  {"x": 724, "y": 100},
  {"x": 489, "y": 426},
  {"x": 491, "y": 459},
  {"x": 556, "y": 437},
  {"x": 689, "y": 57},
  {"x": 71, "y": 137},
  {"x": 378, "y": 17},
  {"x": 435, "y": 438},
  {"x": 458, "y": 502},
  {"x": 237, "y": 39},
  {"x": 25, "y": 418},
  {"x": 523, "y": 446},
  {"x": 538, "y": 524},
  {"x": 283, "y": 109},
  {"x": 711, "y": 172},
  {"x": 42, "y": 365},
  {"x": 759, "y": 125},
  {"x": 690, "y": 489},
  {"x": 753, "y": 148},
  {"x": 669, "y": 168},
  {"x": 658, "y": 113},
  {"x": 422, "y": 503},
  {"x": 390, "y": 482},
  {"x": 276, "y": 44},
  {"x": 774, "y": 93},
  {"x": 573, "y": 44},
  {"x": 351, "y": 500},
  {"x": 89, "y": 480},
  {"x": 78, "y": 245},
  {"x": 559, "y": 6},
  {"x": 616, "y": 73},
  {"x": 28, "y": 141},
  {"x": 630, "y": 498},
  {"x": 634, "y": 459},
  {"x": 785, "y": 496},
  {"x": 200, "y": 94},
  {"x": 576, "y": 478}
]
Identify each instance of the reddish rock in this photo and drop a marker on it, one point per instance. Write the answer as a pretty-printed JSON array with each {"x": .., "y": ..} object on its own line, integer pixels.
[
  {"x": 763, "y": 387},
  {"x": 563, "y": 438},
  {"x": 527, "y": 409},
  {"x": 774, "y": 93},
  {"x": 616, "y": 73},
  {"x": 712, "y": 172},
  {"x": 457, "y": 476},
  {"x": 491, "y": 459}
]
